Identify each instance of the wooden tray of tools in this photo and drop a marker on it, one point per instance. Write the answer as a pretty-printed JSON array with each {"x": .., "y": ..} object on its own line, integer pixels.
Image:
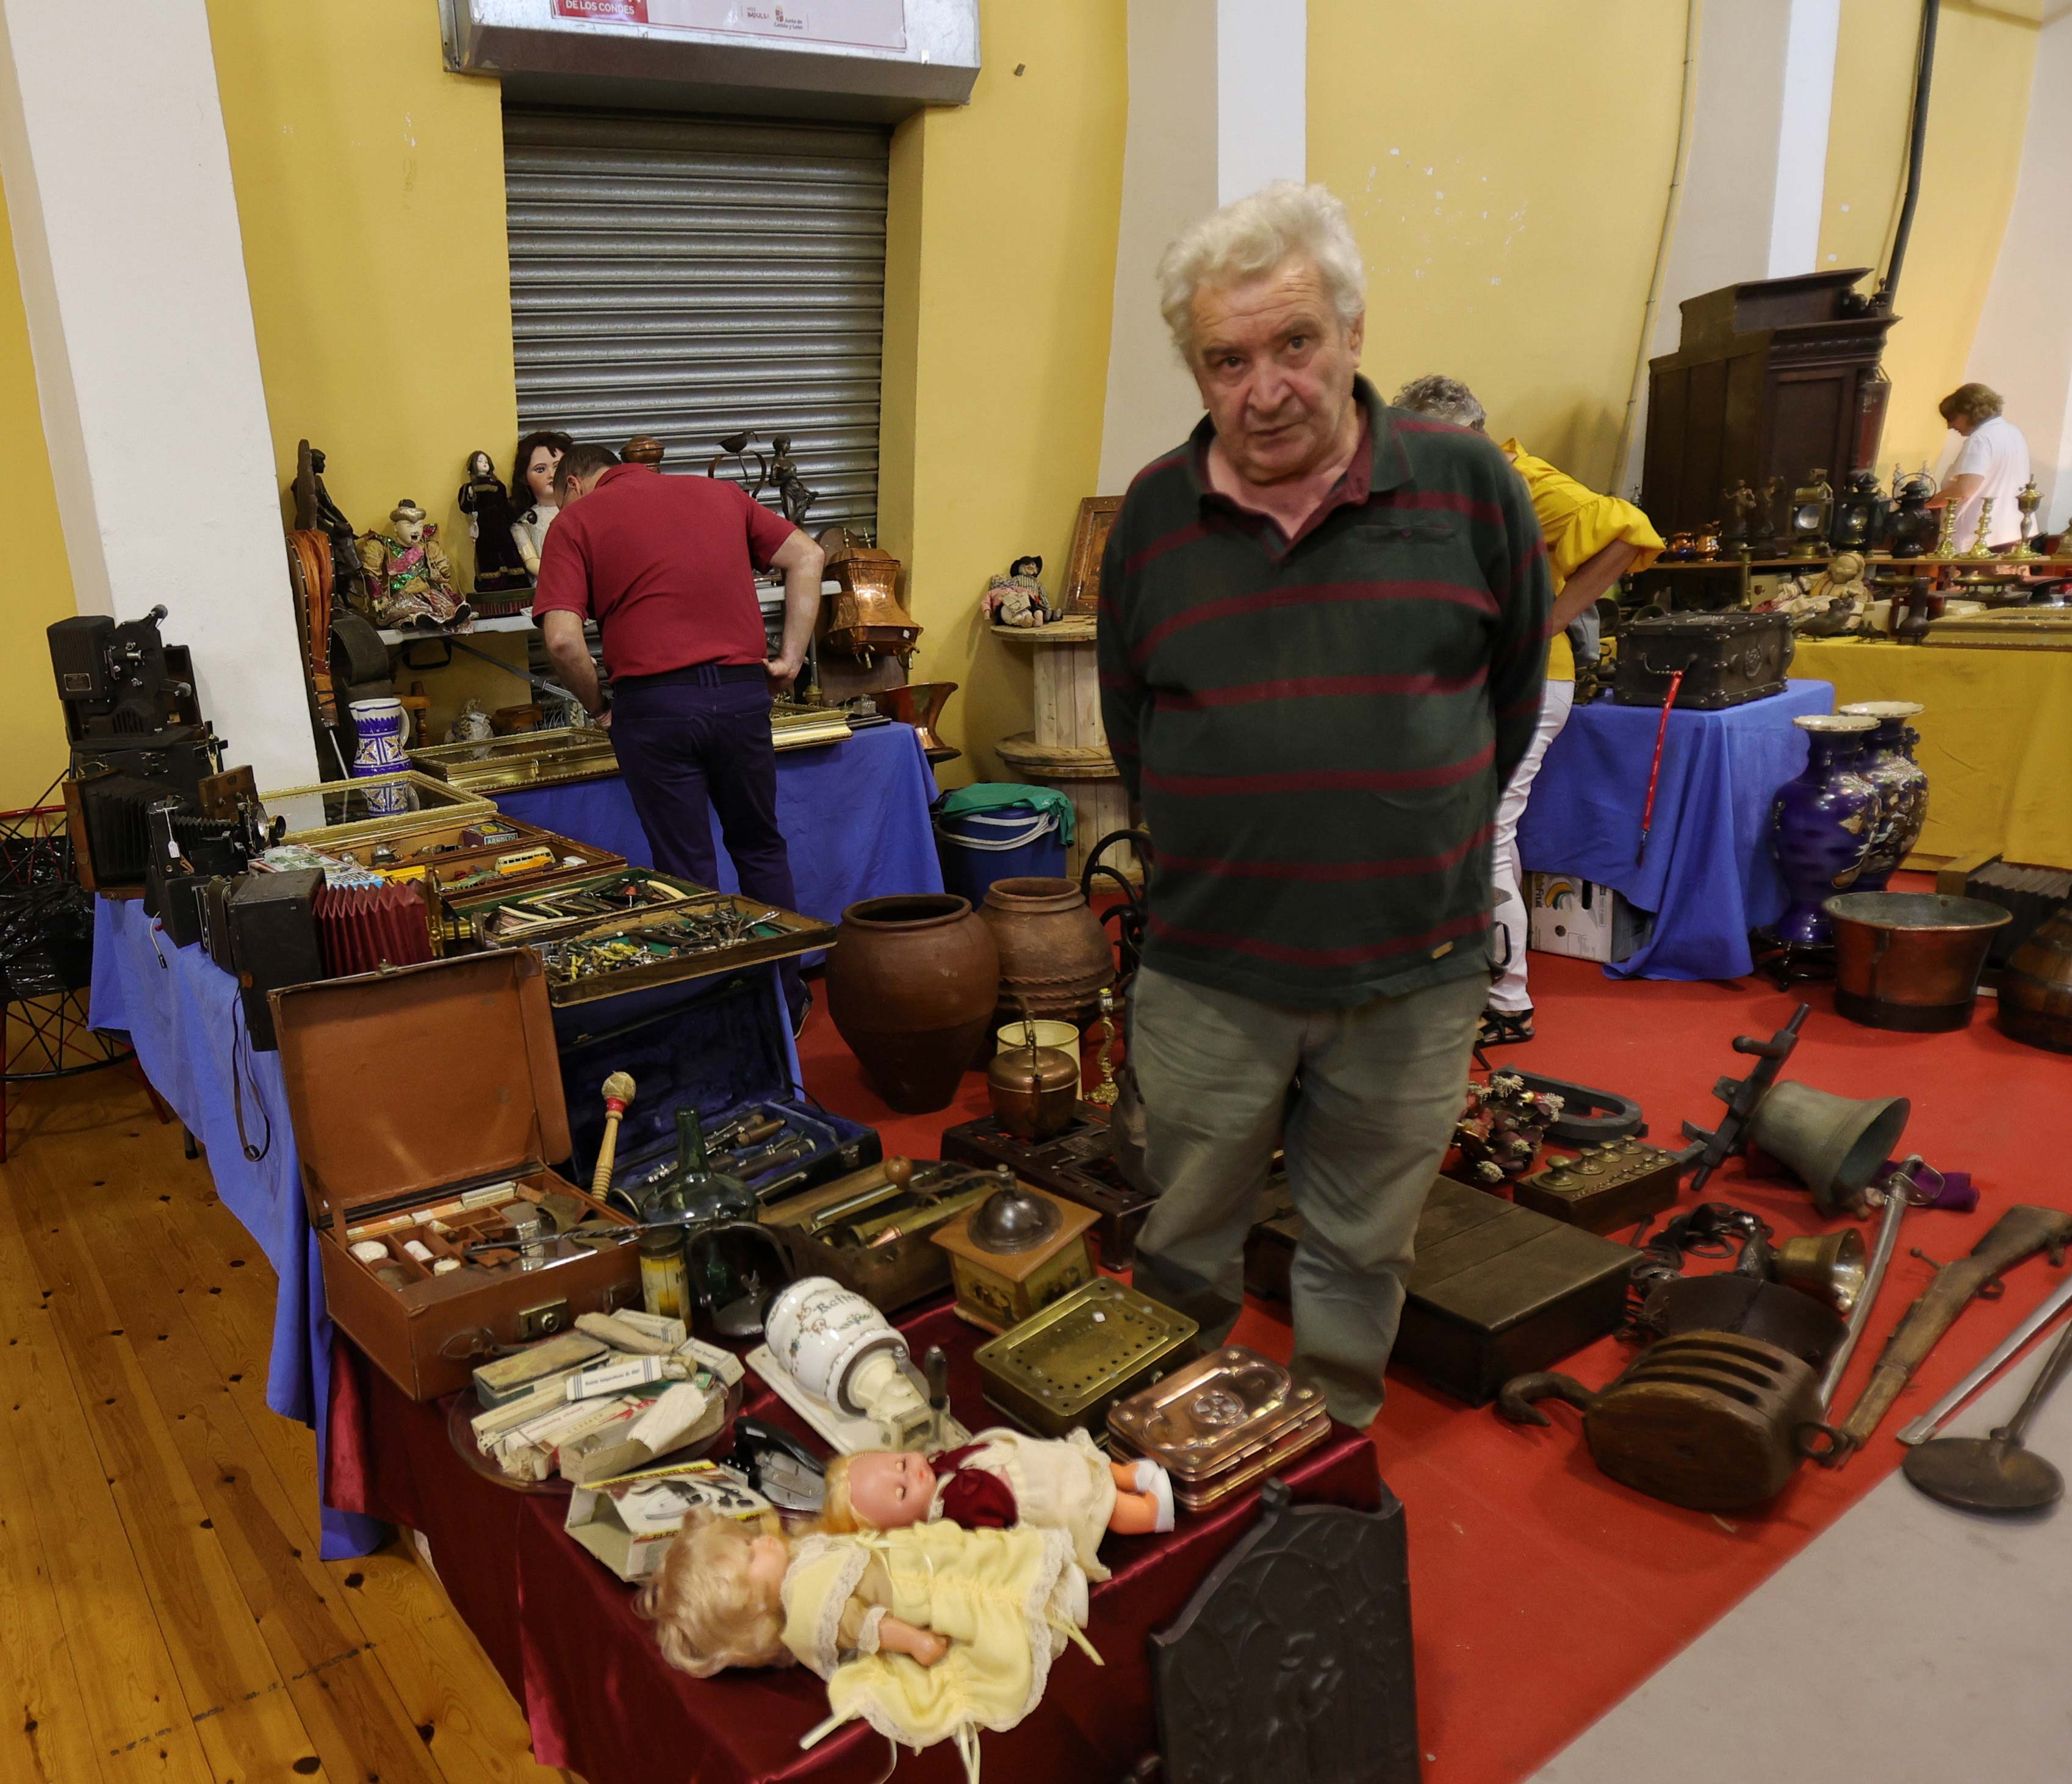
[
  {"x": 426, "y": 1103},
  {"x": 489, "y": 856},
  {"x": 672, "y": 931},
  {"x": 1496, "y": 1291}
]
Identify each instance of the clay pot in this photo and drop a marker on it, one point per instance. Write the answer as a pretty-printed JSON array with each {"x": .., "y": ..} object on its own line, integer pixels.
[
  {"x": 2035, "y": 986},
  {"x": 1054, "y": 956},
  {"x": 911, "y": 985}
]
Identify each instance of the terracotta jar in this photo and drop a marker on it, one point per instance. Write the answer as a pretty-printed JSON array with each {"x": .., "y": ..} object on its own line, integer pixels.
[
  {"x": 1054, "y": 956},
  {"x": 911, "y": 986},
  {"x": 2035, "y": 986}
]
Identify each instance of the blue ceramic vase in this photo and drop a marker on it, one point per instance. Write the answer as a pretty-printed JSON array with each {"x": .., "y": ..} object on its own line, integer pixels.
[
  {"x": 1888, "y": 764},
  {"x": 1821, "y": 823}
]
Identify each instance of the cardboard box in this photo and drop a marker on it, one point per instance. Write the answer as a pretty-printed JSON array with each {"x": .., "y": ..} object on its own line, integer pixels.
[
  {"x": 1582, "y": 919},
  {"x": 628, "y": 1524}
]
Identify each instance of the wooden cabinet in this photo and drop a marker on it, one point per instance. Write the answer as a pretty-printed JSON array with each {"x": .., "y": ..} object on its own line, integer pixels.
[{"x": 1775, "y": 378}]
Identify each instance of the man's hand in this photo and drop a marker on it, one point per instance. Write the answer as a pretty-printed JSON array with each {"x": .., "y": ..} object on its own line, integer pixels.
[
  {"x": 782, "y": 672},
  {"x": 601, "y": 720}
]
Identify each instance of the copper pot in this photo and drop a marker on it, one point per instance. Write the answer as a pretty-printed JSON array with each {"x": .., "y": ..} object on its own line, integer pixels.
[
  {"x": 1909, "y": 960},
  {"x": 911, "y": 985},
  {"x": 920, "y": 704},
  {"x": 1035, "y": 1089},
  {"x": 1055, "y": 957},
  {"x": 2035, "y": 986}
]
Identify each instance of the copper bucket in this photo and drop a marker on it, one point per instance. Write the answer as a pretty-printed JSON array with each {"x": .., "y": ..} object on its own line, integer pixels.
[{"x": 1910, "y": 960}]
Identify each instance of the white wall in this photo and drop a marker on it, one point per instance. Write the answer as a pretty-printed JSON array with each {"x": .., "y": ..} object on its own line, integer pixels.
[
  {"x": 1218, "y": 108},
  {"x": 125, "y": 227},
  {"x": 2024, "y": 344}
]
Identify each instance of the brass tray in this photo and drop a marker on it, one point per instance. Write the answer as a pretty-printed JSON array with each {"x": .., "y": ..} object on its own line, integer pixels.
[
  {"x": 1207, "y": 1416},
  {"x": 367, "y": 810},
  {"x": 525, "y": 758},
  {"x": 2017, "y": 629},
  {"x": 1068, "y": 1364},
  {"x": 800, "y": 727}
]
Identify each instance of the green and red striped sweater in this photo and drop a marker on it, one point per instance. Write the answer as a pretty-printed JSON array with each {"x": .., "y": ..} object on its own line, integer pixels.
[{"x": 1318, "y": 730}]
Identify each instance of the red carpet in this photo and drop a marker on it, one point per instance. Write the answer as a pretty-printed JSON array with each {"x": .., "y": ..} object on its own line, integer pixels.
[{"x": 1542, "y": 1592}]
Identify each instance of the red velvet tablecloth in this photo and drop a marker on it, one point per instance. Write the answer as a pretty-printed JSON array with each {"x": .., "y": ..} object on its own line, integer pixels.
[{"x": 561, "y": 1629}]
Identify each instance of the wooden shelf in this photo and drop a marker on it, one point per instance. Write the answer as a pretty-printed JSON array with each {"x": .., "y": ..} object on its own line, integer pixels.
[{"x": 497, "y": 622}]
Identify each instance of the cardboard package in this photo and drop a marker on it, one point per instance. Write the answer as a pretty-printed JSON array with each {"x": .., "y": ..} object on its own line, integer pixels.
[
  {"x": 628, "y": 1524},
  {"x": 1581, "y": 918}
]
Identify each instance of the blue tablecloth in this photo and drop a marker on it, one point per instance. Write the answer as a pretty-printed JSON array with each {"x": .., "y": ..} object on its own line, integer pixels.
[
  {"x": 1708, "y": 874},
  {"x": 180, "y": 1011},
  {"x": 855, "y": 814}
]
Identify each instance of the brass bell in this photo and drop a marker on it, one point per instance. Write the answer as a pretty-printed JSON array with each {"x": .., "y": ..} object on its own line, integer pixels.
[
  {"x": 1830, "y": 1267},
  {"x": 1035, "y": 1089}
]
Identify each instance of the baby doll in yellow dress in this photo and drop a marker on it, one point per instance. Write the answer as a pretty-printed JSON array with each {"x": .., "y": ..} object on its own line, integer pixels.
[
  {"x": 997, "y": 1480},
  {"x": 928, "y": 1633}
]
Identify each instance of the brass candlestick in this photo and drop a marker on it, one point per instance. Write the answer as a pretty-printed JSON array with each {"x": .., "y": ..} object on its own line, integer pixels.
[
  {"x": 1103, "y": 1093},
  {"x": 1945, "y": 541},
  {"x": 1979, "y": 547},
  {"x": 2028, "y": 498}
]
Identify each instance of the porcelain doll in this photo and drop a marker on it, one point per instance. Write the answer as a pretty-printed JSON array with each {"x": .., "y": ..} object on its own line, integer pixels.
[
  {"x": 410, "y": 579},
  {"x": 1018, "y": 598},
  {"x": 533, "y": 484},
  {"x": 928, "y": 1633},
  {"x": 490, "y": 524},
  {"x": 999, "y": 1480}
]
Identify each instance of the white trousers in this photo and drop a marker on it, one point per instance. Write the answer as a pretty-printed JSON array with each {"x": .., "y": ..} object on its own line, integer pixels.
[{"x": 1509, "y": 993}]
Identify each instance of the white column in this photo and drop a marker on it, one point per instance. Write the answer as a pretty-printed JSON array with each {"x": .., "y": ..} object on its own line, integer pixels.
[
  {"x": 1218, "y": 108},
  {"x": 117, "y": 176},
  {"x": 2023, "y": 345},
  {"x": 1750, "y": 207}
]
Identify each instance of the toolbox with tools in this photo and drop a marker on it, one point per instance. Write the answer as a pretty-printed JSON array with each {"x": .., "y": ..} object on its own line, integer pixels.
[{"x": 722, "y": 1045}]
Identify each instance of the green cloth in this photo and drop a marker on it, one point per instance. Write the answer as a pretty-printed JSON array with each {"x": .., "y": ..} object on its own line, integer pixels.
[{"x": 987, "y": 795}]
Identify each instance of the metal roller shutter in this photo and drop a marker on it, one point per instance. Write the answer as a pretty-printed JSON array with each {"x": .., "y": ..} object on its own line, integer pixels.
[{"x": 692, "y": 278}]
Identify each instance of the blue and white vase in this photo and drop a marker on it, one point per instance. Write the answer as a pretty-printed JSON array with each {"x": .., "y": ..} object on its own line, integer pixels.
[
  {"x": 378, "y": 726},
  {"x": 1821, "y": 823},
  {"x": 1888, "y": 763}
]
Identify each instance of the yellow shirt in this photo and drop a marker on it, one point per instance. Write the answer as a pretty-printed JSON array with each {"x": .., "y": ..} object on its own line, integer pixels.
[{"x": 1578, "y": 523}]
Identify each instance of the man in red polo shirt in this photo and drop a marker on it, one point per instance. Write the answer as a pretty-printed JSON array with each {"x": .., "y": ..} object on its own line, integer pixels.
[{"x": 666, "y": 566}]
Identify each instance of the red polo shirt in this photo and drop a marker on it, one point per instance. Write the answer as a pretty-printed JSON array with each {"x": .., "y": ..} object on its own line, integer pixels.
[{"x": 665, "y": 565}]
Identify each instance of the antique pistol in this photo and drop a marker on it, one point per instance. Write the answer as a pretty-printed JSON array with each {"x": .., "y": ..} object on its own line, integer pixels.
[{"x": 2019, "y": 1233}]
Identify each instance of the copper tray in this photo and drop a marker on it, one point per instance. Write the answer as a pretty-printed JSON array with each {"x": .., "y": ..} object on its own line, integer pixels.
[
  {"x": 1305, "y": 1437},
  {"x": 1210, "y": 1415}
]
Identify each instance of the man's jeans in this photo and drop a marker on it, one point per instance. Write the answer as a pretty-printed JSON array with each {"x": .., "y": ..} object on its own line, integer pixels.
[
  {"x": 689, "y": 749},
  {"x": 1381, "y": 1089}
]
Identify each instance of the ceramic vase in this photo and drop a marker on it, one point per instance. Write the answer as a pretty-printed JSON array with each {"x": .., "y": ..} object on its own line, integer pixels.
[
  {"x": 1820, "y": 824},
  {"x": 377, "y": 724},
  {"x": 1888, "y": 763},
  {"x": 911, "y": 987},
  {"x": 1055, "y": 957}
]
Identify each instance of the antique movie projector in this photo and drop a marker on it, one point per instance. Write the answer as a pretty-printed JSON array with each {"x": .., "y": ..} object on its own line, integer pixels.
[{"x": 138, "y": 737}]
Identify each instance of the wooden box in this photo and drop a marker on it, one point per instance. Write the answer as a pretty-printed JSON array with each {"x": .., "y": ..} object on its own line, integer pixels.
[
  {"x": 999, "y": 1289},
  {"x": 1604, "y": 1188},
  {"x": 420, "y": 1089},
  {"x": 896, "y": 1272},
  {"x": 1496, "y": 1291},
  {"x": 450, "y": 866}
]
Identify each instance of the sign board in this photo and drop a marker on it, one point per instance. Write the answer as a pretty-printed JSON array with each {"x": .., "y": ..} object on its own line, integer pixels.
[{"x": 869, "y": 24}]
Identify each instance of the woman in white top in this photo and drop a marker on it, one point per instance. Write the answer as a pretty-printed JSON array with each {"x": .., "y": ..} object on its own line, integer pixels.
[{"x": 1993, "y": 462}]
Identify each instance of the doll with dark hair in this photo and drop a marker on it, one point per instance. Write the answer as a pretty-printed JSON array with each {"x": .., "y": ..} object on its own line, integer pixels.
[
  {"x": 533, "y": 470},
  {"x": 491, "y": 524}
]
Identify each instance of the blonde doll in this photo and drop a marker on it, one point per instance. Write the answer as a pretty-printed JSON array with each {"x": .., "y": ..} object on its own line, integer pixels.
[
  {"x": 997, "y": 1480},
  {"x": 928, "y": 1634}
]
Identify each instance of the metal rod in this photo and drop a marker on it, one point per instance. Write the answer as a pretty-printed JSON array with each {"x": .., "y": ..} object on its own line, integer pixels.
[
  {"x": 1938, "y": 1415},
  {"x": 1898, "y": 1189}
]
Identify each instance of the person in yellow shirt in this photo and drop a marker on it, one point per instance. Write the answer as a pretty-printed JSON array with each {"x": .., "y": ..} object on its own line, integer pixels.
[{"x": 1592, "y": 541}]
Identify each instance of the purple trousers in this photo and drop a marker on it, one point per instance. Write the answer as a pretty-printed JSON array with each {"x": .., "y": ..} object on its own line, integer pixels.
[{"x": 687, "y": 749}]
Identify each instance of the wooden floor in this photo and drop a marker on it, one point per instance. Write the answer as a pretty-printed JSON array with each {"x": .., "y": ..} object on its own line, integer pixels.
[{"x": 163, "y": 1613}]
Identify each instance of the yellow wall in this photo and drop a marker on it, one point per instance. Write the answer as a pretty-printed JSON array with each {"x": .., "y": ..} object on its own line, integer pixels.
[
  {"x": 370, "y": 190},
  {"x": 37, "y": 588},
  {"x": 1504, "y": 169},
  {"x": 999, "y": 281},
  {"x": 1985, "y": 55}
]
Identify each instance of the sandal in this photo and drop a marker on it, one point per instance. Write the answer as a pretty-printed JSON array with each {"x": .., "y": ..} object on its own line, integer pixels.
[{"x": 1505, "y": 1028}]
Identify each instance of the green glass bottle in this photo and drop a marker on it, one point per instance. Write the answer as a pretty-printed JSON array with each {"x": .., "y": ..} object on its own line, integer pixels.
[{"x": 693, "y": 1192}]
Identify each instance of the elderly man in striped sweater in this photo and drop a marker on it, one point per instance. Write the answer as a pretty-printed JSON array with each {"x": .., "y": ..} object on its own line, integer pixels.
[{"x": 1322, "y": 641}]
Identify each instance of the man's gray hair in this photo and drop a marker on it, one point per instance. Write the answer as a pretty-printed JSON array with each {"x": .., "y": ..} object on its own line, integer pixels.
[
  {"x": 1251, "y": 238},
  {"x": 1443, "y": 399}
]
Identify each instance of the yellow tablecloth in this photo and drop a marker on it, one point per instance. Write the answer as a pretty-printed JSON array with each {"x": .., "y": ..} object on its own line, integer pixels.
[{"x": 1995, "y": 739}]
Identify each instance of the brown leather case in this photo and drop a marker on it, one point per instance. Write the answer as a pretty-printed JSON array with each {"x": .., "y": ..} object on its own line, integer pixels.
[{"x": 408, "y": 1088}]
